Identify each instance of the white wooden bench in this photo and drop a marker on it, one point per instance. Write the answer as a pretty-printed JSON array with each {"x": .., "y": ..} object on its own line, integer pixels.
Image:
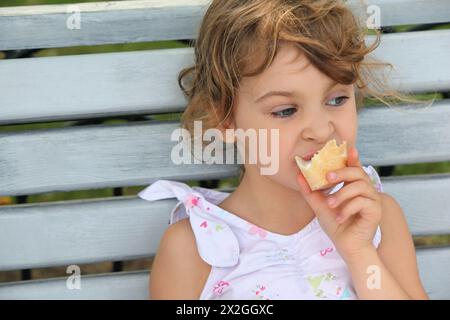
[{"x": 145, "y": 82}]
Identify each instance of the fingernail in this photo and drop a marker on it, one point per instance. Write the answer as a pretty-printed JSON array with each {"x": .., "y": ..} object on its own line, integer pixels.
[
  {"x": 331, "y": 200},
  {"x": 332, "y": 175}
]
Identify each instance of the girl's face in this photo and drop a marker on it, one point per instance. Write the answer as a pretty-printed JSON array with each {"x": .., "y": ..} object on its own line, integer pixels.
[{"x": 306, "y": 106}]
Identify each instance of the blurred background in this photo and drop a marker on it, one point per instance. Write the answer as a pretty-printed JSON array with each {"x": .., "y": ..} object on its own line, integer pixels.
[{"x": 422, "y": 168}]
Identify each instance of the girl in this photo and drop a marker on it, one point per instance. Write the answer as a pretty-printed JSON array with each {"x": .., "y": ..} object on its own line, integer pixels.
[{"x": 300, "y": 67}]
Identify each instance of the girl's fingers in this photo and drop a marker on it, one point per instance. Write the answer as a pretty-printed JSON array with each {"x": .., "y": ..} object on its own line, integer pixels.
[
  {"x": 353, "y": 157},
  {"x": 352, "y": 190},
  {"x": 347, "y": 174},
  {"x": 353, "y": 207},
  {"x": 315, "y": 199},
  {"x": 353, "y": 172}
]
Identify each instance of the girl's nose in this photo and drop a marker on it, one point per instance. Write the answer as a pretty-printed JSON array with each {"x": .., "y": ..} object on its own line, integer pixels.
[{"x": 317, "y": 127}]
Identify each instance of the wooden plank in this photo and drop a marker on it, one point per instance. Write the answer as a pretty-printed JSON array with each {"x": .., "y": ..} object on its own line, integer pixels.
[
  {"x": 424, "y": 200},
  {"x": 76, "y": 232},
  {"x": 92, "y": 157},
  {"x": 138, "y": 21},
  {"x": 405, "y": 12},
  {"x": 433, "y": 268},
  {"x": 121, "y": 22},
  {"x": 110, "y": 286},
  {"x": 94, "y": 85},
  {"x": 397, "y": 135},
  {"x": 143, "y": 82},
  {"x": 432, "y": 263},
  {"x": 125, "y": 228},
  {"x": 419, "y": 59}
]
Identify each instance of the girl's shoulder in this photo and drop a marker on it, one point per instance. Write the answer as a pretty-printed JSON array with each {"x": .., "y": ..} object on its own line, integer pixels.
[{"x": 178, "y": 271}]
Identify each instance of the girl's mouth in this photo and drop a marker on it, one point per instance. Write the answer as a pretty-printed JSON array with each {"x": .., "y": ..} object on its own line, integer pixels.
[{"x": 309, "y": 155}]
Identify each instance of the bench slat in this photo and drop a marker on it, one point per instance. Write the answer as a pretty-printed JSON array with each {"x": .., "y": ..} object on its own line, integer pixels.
[
  {"x": 109, "y": 286},
  {"x": 92, "y": 157},
  {"x": 81, "y": 232},
  {"x": 121, "y": 22},
  {"x": 143, "y": 82},
  {"x": 412, "y": 71},
  {"x": 423, "y": 200},
  {"x": 88, "y": 231},
  {"x": 406, "y": 12},
  {"x": 138, "y": 21},
  {"x": 94, "y": 85},
  {"x": 433, "y": 268},
  {"x": 432, "y": 263},
  {"x": 107, "y": 156},
  {"x": 396, "y": 135}
]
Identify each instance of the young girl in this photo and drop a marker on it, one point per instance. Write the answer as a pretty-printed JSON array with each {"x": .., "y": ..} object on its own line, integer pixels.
[{"x": 298, "y": 66}]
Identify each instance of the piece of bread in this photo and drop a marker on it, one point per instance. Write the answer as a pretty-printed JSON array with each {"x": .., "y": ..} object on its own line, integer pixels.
[{"x": 330, "y": 157}]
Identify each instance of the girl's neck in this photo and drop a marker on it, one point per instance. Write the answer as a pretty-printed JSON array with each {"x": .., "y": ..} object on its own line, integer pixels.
[{"x": 269, "y": 205}]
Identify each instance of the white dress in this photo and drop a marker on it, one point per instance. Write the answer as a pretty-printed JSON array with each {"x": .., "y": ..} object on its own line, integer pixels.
[{"x": 248, "y": 262}]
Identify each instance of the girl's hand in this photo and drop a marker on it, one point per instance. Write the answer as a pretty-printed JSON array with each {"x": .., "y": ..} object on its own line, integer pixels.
[{"x": 350, "y": 222}]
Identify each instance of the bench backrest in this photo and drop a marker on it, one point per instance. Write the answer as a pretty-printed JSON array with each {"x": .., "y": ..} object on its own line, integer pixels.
[{"x": 145, "y": 82}]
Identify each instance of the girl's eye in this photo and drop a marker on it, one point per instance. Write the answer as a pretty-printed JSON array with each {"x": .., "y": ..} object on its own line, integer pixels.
[
  {"x": 290, "y": 111},
  {"x": 284, "y": 113},
  {"x": 341, "y": 100}
]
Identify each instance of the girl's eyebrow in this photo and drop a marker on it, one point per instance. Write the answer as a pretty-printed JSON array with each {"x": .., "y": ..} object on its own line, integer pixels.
[
  {"x": 287, "y": 93},
  {"x": 275, "y": 93}
]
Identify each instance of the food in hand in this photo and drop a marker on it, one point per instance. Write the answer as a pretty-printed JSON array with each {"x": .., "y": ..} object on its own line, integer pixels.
[{"x": 331, "y": 157}]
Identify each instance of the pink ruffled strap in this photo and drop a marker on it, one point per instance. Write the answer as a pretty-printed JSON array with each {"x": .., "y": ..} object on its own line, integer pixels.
[
  {"x": 216, "y": 242},
  {"x": 376, "y": 181},
  {"x": 374, "y": 177}
]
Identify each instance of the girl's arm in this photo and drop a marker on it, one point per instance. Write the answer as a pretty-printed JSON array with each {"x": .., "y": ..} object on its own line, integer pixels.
[{"x": 394, "y": 264}]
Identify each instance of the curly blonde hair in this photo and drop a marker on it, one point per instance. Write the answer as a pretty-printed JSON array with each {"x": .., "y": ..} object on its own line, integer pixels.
[{"x": 240, "y": 38}]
